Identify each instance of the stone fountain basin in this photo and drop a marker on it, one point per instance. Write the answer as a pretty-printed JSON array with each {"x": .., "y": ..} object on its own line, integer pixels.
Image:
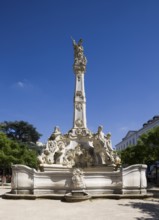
[{"x": 98, "y": 180}]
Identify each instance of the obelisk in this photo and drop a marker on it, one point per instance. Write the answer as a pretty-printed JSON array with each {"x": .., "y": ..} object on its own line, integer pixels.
[{"x": 79, "y": 67}]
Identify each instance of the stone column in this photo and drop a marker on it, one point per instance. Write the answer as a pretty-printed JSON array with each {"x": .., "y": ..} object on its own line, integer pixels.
[{"x": 79, "y": 67}]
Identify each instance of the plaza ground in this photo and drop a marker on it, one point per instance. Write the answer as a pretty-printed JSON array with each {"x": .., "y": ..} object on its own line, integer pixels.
[{"x": 98, "y": 209}]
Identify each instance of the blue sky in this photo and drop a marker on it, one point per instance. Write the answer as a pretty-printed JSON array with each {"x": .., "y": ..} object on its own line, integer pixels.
[{"x": 121, "y": 42}]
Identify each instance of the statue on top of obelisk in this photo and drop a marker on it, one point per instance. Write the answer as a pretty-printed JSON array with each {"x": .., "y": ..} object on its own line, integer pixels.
[{"x": 80, "y": 60}]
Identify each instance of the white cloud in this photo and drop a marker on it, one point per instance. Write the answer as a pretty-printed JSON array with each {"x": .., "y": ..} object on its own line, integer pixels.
[{"x": 20, "y": 84}]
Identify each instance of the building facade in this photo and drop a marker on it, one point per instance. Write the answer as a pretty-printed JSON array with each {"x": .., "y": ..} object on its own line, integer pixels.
[{"x": 132, "y": 137}]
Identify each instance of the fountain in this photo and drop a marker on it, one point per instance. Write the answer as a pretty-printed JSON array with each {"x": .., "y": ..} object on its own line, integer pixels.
[{"x": 80, "y": 164}]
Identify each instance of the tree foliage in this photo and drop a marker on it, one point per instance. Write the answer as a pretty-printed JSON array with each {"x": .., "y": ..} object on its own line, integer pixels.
[
  {"x": 146, "y": 151},
  {"x": 13, "y": 152},
  {"x": 20, "y": 131}
]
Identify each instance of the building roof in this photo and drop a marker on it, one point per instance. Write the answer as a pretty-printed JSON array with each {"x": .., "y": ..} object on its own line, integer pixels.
[
  {"x": 129, "y": 133},
  {"x": 146, "y": 125}
]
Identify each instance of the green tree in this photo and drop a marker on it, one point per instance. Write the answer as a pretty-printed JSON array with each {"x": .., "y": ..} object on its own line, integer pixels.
[
  {"x": 13, "y": 152},
  {"x": 146, "y": 151},
  {"x": 20, "y": 130}
]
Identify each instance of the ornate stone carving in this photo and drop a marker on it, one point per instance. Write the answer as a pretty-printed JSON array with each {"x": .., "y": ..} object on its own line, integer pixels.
[
  {"x": 117, "y": 161},
  {"x": 78, "y": 106},
  {"x": 78, "y": 157},
  {"x": 55, "y": 133},
  {"x": 80, "y": 60},
  {"x": 69, "y": 158},
  {"x": 79, "y": 131},
  {"x": 54, "y": 146},
  {"x": 99, "y": 150},
  {"x": 42, "y": 158},
  {"x": 79, "y": 77},
  {"x": 103, "y": 148},
  {"x": 79, "y": 123},
  {"x": 72, "y": 157},
  {"x": 84, "y": 132},
  {"x": 77, "y": 179},
  {"x": 86, "y": 160},
  {"x": 79, "y": 147},
  {"x": 79, "y": 94}
]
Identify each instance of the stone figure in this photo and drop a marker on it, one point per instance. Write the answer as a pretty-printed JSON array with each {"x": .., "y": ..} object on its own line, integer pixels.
[
  {"x": 100, "y": 134},
  {"x": 51, "y": 148},
  {"x": 77, "y": 179},
  {"x": 109, "y": 149},
  {"x": 98, "y": 152},
  {"x": 60, "y": 152},
  {"x": 78, "y": 157},
  {"x": 80, "y": 60},
  {"x": 49, "y": 156},
  {"x": 99, "y": 144},
  {"x": 41, "y": 158},
  {"x": 78, "y": 48},
  {"x": 69, "y": 158},
  {"x": 108, "y": 142},
  {"x": 77, "y": 154},
  {"x": 46, "y": 157},
  {"x": 102, "y": 147},
  {"x": 117, "y": 160},
  {"x": 72, "y": 157},
  {"x": 86, "y": 160}
]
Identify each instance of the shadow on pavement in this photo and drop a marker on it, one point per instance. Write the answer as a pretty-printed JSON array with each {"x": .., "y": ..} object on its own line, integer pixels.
[{"x": 149, "y": 208}]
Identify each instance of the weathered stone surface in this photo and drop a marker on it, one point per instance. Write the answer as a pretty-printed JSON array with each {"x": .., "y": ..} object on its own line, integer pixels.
[{"x": 94, "y": 180}]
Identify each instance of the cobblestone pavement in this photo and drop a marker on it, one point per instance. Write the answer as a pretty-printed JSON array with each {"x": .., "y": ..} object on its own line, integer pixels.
[{"x": 98, "y": 209}]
